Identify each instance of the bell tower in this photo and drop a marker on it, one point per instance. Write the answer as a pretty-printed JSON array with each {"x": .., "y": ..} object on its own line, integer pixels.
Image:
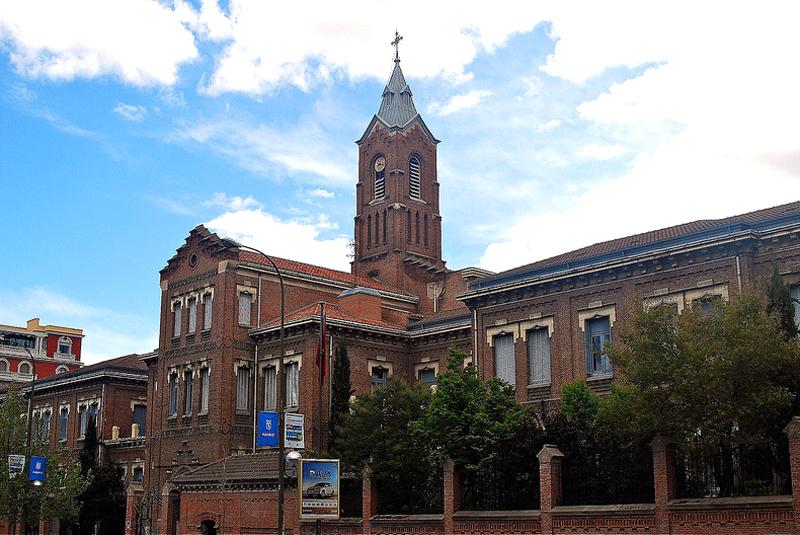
[{"x": 398, "y": 228}]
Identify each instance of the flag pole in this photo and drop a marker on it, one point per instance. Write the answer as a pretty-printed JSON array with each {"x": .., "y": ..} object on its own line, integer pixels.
[{"x": 321, "y": 363}]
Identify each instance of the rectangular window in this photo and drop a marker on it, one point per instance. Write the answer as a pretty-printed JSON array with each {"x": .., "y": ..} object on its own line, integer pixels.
[
  {"x": 427, "y": 376},
  {"x": 270, "y": 388},
  {"x": 504, "y": 365},
  {"x": 172, "y": 392},
  {"x": 598, "y": 338},
  {"x": 243, "y": 389},
  {"x": 292, "y": 371},
  {"x": 378, "y": 376},
  {"x": 138, "y": 474},
  {"x": 176, "y": 320},
  {"x": 63, "y": 349},
  {"x": 208, "y": 301},
  {"x": 140, "y": 417},
  {"x": 46, "y": 416},
  {"x": 538, "y": 356},
  {"x": 245, "y": 306},
  {"x": 83, "y": 419},
  {"x": 63, "y": 418},
  {"x": 187, "y": 392},
  {"x": 203, "y": 390},
  {"x": 192, "y": 315}
]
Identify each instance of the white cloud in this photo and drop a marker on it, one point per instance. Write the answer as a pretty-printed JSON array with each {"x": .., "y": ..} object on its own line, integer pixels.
[
  {"x": 140, "y": 41},
  {"x": 597, "y": 151},
  {"x": 130, "y": 334},
  {"x": 233, "y": 203},
  {"x": 295, "y": 239},
  {"x": 173, "y": 206},
  {"x": 549, "y": 125},
  {"x": 460, "y": 102},
  {"x": 318, "y": 192},
  {"x": 131, "y": 112}
]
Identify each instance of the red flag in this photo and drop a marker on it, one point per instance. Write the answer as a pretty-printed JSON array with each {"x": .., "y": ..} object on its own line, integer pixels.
[{"x": 322, "y": 361}]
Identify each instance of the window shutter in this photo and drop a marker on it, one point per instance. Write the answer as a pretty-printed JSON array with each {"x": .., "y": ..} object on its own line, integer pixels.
[
  {"x": 414, "y": 178},
  {"x": 270, "y": 391},
  {"x": 538, "y": 356},
  {"x": 504, "y": 367},
  {"x": 242, "y": 388},
  {"x": 292, "y": 384},
  {"x": 245, "y": 306}
]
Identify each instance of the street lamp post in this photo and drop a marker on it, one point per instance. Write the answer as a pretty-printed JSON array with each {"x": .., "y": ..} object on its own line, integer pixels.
[{"x": 281, "y": 390}]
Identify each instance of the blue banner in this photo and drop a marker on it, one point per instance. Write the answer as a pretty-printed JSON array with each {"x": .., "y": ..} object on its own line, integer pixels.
[
  {"x": 267, "y": 429},
  {"x": 38, "y": 468}
]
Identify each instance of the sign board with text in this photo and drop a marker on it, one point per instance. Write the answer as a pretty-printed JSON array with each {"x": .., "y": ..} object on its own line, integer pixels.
[
  {"x": 267, "y": 429},
  {"x": 16, "y": 465},
  {"x": 294, "y": 432},
  {"x": 319, "y": 488}
]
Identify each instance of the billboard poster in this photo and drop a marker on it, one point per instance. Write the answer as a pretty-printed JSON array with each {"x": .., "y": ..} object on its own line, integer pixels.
[
  {"x": 38, "y": 467},
  {"x": 295, "y": 437},
  {"x": 267, "y": 429},
  {"x": 16, "y": 465},
  {"x": 319, "y": 488}
]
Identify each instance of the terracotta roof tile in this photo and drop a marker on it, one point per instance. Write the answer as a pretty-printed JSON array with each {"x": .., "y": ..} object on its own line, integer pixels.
[{"x": 332, "y": 311}]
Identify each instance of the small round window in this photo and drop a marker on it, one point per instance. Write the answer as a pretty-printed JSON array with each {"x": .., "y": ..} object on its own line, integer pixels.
[{"x": 193, "y": 260}]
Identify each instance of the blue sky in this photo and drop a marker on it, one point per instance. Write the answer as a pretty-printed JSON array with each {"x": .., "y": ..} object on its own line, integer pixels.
[{"x": 124, "y": 125}]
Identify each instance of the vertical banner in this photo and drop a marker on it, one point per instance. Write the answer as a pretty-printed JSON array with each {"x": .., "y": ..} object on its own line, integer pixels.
[
  {"x": 38, "y": 468},
  {"x": 319, "y": 488},
  {"x": 267, "y": 429},
  {"x": 294, "y": 431}
]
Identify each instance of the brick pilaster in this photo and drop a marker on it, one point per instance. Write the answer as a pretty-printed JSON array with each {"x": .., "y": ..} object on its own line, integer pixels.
[
  {"x": 664, "y": 481},
  {"x": 793, "y": 433},
  {"x": 453, "y": 493},
  {"x": 369, "y": 500},
  {"x": 550, "y": 458},
  {"x": 130, "y": 513}
]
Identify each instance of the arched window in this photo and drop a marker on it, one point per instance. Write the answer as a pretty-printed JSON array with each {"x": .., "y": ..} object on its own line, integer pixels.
[
  {"x": 377, "y": 228},
  {"x": 408, "y": 225},
  {"x": 416, "y": 228},
  {"x": 425, "y": 228},
  {"x": 64, "y": 345},
  {"x": 385, "y": 221},
  {"x": 380, "y": 176},
  {"x": 24, "y": 368},
  {"x": 3, "y": 365},
  {"x": 369, "y": 231},
  {"x": 61, "y": 369},
  {"x": 414, "y": 177}
]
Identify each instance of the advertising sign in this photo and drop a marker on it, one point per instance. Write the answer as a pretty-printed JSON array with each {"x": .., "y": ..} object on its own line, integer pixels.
[
  {"x": 267, "y": 429},
  {"x": 38, "y": 468},
  {"x": 319, "y": 488},
  {"x": 294, "y": 431},
  {"x": 16, "y": 465}
]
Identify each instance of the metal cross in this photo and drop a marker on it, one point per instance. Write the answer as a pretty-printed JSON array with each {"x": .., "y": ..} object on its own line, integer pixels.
[{"x": 395, "y": 43}]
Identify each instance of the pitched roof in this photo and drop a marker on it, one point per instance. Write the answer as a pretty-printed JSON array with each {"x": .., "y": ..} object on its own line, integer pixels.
[
  {"x": 319, "y": 271},
  {"x": 642, "y": 243},
  {"x": 332, "y": 312},
  {"x": 242, "y": 468}
]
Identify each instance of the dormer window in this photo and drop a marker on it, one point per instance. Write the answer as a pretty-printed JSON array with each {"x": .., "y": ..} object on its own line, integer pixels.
[
  {"x": 414, "y": 190},
  {"x": 380, "y": 177}
]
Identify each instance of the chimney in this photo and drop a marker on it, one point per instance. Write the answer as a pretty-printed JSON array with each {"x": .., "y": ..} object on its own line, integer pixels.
[
  {"x": 33, "y": 324},
  {"x": 362, "y": 302}
]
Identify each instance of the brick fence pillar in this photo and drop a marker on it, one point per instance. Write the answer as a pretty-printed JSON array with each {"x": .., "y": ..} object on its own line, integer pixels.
[
  {"x": 665, "y": 484},
  {"x": 550, "y": 458},
  {"x": 369, "y": 500},
  {"x": 793, "y": 433},
  {"x": 453, "y": 493}
]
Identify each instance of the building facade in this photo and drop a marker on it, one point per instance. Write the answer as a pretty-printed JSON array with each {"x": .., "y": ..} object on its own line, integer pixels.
[{"x": 43, "y": 350}]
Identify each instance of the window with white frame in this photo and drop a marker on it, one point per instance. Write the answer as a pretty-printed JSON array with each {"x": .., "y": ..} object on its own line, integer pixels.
[
  {"x": 245, "y": 307},
  {"x": 208, "y": 307},
  {"x": 598, "y": 339},
  {"x": 538, "y": 356},
  {"x": 87, "y": 412},
  {"x": 172, "y": 385},
  {"x": 24, "y": 368},
  {"x": 176, "y": 319},
  {"x": 63, "y": 420},
  {"x": 243, "y": 389},
  {"x": 270, "y": 387},
  {"x": 504, "y": 364},
  {"x": 292, "y": 371},
  {"x": 187, "y": 392},
  {"x": 192, "y": 315},
  {"x": 203, "y": 390},
  {"x": 64, "y": 345}
]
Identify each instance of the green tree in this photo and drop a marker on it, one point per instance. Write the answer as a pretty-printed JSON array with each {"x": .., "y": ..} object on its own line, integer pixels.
[
  {"x": 377, "y": 433},
  {"x": 19, "y": 500},
  {"x": 780, "y": 304},
  {"x": 721, "y": 383},
  {"x": 480, "y": 426},
  {"x": 103, "y": 500},
  {"x": 341, "y": 390}
]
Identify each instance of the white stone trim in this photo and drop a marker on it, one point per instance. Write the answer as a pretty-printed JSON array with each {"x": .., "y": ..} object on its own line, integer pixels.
[
  {"x": 609, "y": 311},
  {"x": 666, "y": 299},
  {"x": 543, "y": 322},
  {"x": 717, "y": 290},
  {"x": 498, "y": 330},
  {"x": 425, "y": 365},
  {"x": 374, "y": 363}
]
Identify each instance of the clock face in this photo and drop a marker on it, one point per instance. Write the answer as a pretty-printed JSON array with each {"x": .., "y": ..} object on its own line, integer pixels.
[{"x": 380, "y": 164}]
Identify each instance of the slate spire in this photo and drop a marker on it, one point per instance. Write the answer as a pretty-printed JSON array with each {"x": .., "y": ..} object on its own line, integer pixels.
[{"x": 397, "y": 105}]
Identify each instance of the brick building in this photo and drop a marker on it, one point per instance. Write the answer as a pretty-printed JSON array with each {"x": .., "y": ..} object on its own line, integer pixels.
[
  {"x": 54, "y": 350},
  {"x": 397, "y": 312}
]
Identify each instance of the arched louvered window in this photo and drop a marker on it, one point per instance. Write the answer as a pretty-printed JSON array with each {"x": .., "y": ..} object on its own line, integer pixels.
[
  {"x": 385, "y": 223},
  {"x": 380, "y": 176},
  {"x": 425, "y": 228},
  {"x": 408, "y": 225},
  {"x": 377, "y": 228},
  {"x": 416, "y": 229},
  {"x": 369, "y": 231},
  {"x": 414, "y": 177}
]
